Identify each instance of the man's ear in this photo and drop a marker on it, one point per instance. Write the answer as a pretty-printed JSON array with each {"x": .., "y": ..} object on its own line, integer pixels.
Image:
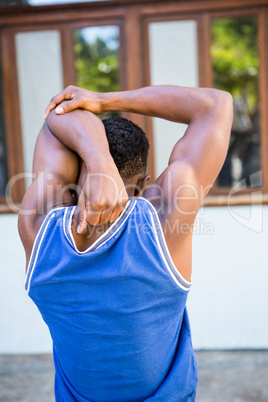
[{"x": 140, "y": 186}]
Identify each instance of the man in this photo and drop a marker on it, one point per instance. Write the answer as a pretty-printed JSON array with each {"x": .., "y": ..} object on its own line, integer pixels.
[{"x": 111, "y": 276}]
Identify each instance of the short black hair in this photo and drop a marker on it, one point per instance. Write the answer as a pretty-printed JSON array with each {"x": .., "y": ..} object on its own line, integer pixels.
[{"x": 128, "y": 145}]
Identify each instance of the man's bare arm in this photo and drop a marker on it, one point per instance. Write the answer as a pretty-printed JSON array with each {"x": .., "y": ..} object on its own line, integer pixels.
[{"x": 55, "y": 168}]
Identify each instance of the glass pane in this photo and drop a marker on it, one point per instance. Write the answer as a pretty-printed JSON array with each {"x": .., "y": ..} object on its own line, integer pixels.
[
  {"x": 235, "y": 61},
  {"x": 96, "y": 58},
  {"x": 168, "y": 41},
  {"x": 39, "y": 66},
  {"x": 3, "y": 153}
]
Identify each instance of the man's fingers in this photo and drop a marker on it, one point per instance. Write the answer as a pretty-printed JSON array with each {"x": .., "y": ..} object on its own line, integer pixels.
[
  {"x": 50, "y": 107},
  {"x": 67, "y": 94},
  {"x": 68, "y": 106},
  {"x": 115, "y": 213},
  {"x": 82, "y": 225},
  {"x": 105, "y": 216},
  {"x": 92, "y": 214},
  {"x": 88, "y": 216},
  {"x": 56, "y": 100},
  {"x": 82, "y": 217}
]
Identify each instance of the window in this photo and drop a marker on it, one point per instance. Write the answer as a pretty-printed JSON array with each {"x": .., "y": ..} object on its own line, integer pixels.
[
  {"x": 235, "y": 64},
  {"x": 39, "y": 74},
  {"x": 168, "y": 41},
  {"x": 231, "y": 56},
  {"x": 97, "y": 60}
]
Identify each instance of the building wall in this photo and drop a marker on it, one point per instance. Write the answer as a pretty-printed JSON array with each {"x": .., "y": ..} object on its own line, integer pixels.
[
  {"x": 228, "y": 299},
  {"x": 22, "y": 329}
]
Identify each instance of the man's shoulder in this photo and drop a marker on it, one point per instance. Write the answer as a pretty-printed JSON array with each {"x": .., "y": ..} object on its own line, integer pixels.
[{"x": 30, "y": 226}]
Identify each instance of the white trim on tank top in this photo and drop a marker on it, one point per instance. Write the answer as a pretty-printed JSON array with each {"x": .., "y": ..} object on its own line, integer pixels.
[
  {"x": 110, "y": 232},
  {"x": 36, "y": 246},
  {"x": 164, "y": 251}
]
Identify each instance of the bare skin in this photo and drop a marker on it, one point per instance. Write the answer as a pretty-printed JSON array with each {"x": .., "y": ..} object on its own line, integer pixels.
[{"x": 177, "y": 193}]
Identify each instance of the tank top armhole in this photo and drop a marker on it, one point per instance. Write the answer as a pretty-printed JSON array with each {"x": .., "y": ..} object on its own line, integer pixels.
[
  {"x": 163, "y": 249},
  {"x": 36, "y": 247}
]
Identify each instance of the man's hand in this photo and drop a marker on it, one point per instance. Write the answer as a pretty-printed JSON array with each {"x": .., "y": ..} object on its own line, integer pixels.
[
  {"x": 102, "y": 197},
  {"x": 72, "y": 98}
]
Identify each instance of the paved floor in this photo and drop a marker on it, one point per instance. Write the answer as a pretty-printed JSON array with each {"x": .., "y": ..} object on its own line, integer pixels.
[{"x": 233, "y": 376}]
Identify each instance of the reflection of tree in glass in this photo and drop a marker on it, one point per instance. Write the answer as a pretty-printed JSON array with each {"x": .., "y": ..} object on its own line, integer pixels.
[
  {"x": 235, "y": 58},
  {"x": 235, "y": 63},
  {"x": 97, "y": 67}
]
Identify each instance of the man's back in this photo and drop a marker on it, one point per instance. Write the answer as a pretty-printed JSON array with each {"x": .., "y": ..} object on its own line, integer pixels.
[{"x": 116, "y": 312}]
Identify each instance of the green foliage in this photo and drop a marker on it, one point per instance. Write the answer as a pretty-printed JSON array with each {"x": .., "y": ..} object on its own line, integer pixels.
[
  {"x": 97, "y": 67},
  {"x": 235, "y": 58},
  {"x": 235, "y": 61}
]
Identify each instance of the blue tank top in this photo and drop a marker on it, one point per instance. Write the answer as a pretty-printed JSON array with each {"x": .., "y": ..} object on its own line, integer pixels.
[{"x": 116, "y": 312}]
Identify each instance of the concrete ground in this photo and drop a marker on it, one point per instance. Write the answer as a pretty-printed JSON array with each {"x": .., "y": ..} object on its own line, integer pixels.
[{"x": 224, "y": 376}]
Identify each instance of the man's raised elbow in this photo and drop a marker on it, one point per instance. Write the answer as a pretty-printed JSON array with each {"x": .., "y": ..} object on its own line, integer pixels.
[
  {"x": 222, "y": 108},
  {"x": 223, "y": 100},
  {"x": 219, "y": 101},
  {"x": 50, "y": 119}
]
